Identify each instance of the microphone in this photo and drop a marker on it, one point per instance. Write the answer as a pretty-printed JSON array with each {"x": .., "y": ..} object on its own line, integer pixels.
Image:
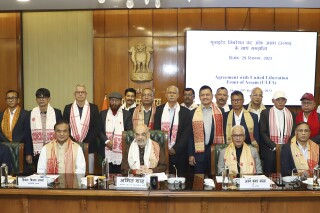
[
  {"x": 130, "y": 167},
  {"x": 174, "y": 166},
  {"x": 293, "y": 170}
]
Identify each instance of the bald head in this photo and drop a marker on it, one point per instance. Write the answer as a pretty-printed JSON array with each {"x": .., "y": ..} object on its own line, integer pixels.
[
  {"x": 172, "y": 95},
  {"x": 142, "y": 135}
]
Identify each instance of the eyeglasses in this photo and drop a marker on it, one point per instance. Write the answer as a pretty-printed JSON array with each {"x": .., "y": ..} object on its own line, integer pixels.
[
  {"x": 238, "y": 136},
  {"x": 236, "y": 100},
  {"x": 11, "y": 98},
  {"x": 303, "y": 130},
  {"x": 306, "y": 103},
  {"x": 81, "y": 92}
]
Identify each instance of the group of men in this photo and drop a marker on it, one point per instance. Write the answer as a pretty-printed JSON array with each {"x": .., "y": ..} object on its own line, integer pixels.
[{"x": 250, "y": 131}]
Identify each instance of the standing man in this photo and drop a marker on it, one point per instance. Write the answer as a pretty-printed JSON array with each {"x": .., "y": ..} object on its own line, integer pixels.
[
  {"x": 276, "y": 127},
  {"x": 222, "y": 98},
  {"x": 61, "y": 155},
  {"x": 42, "y": 121},
  {"x": 130, "y": 99},
  {"x": 176, "y": 121},
  {"x": 240, "y": 116},
  {"x": 188, "y": 99},
  {"x": 238, "y": 156},
  {"x": 301, "y": 153},
  {"x": 15, "y": 123},
  {"x": 310, "y": 115},
  {"x": 144, "y": 113},
  {"x": 113, "y": 121},
  {"x": 255, "y": 105},
  {"x": 84, "y": 121},
  {"x": 207, "y": 129}
]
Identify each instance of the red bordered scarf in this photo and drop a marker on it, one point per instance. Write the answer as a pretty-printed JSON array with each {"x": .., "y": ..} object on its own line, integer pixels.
[
  {"x": 166, "y": 124},
  {"x": 312, "y": 120},
  {"x": 274, "y": 129},
  {"x": 198, "y": 127},
  {"x": 138, "y": 116},
  {"x": 79, "y": 127}
]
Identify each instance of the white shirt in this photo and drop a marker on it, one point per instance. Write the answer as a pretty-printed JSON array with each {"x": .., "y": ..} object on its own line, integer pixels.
[
  {"x": 80, "y": 162},
  {"x": 280, "y": 123},
  {"x": 11, "y": 116},
  {"x": 127, "y": 108},
  {"x": 191, "y": 107},
  {"x": 304, "y": 150},
  {"x": 237, "y": 118}
]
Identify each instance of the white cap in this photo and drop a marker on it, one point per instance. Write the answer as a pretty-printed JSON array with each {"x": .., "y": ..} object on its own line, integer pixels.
[{"x": 279, "y": 94}]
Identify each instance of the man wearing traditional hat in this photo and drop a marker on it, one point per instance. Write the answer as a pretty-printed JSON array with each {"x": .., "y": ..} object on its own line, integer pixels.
[
  {"x": 310, "y": 115},
  {"x": 276, "y": 127},
  {"x": 113, "y": 121}
]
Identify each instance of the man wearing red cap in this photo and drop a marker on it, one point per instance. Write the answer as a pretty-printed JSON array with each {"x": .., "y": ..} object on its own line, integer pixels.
[{"x": 310, "y": 115}]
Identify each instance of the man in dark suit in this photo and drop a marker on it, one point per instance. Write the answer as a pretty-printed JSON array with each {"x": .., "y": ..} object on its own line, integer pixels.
[
  {"x": 112, "y": 122},
  {"x": 42, "y": 121},
  {"x": 276, "y": 127},
  {"x": 84, "y": 121},
  {"x": 240, "y": 116},
  {"x": 207, "y": 129},
  {"x": 176, "y": 121},
  {"x": 15, "y": 123}
]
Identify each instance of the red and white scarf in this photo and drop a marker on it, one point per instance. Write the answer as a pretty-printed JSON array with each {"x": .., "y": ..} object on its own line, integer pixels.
[
  {"x": 114, "y": 128},
  {"x": 312, "y": 120},
  {"x": 79, "y": 126},
  {"x": 198, "y": 127},
  {"x": 275, "y": 129},
  {"x": 38, "y": 139},
  {"x": 151, "y": 155},
  {"x": 166, "y": 124},
  {"x": 138, "y": 116}
]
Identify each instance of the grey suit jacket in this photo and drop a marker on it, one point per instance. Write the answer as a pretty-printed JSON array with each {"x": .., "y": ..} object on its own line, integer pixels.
[{"x": 255, "y": 156}]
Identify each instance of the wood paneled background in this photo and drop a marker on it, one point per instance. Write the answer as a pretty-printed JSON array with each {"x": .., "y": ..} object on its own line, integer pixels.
[{"x": 115, "y": 31}]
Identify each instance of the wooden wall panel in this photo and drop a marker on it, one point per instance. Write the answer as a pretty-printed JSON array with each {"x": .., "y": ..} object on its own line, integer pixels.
[
  {"x": 214, "y": 19},
  {"x": 165, "y": 22},
  {"x": 165, "y": 64},
  {"x": 99, "y": 68},
  {"x": 237, "y": 18},
  {"x": 116, "y": 75},
  {"x": 140, "y": 23},
  {"x": 116, "y": 23},
  {"x": 261, "y": 19},
  {"x": 286, "y": 19},
  {"x": 8, "y": 25},
  {"x": 188, "y": 19},
  {"x": 181, "y": 66},
  {"x": 98, "y": 23}
]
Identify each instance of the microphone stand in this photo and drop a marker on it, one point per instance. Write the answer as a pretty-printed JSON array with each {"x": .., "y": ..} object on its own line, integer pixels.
[
  {"x": 174, "y": 166},
  {"x": 130, "y": 168}
]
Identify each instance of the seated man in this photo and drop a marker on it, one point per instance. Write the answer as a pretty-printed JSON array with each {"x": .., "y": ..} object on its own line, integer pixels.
[
  {"x": 238, "y": 156},
  {"x": 5, "y": 156},
  {"x": 144, "y": 155},
  {"x": 61, "y": 155},
  {"x": 301, "y": 154}
]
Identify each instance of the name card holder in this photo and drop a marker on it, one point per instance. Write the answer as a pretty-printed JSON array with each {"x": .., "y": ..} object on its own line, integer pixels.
[
  {"x": 131, "y": 183},
  {"x": 32, "y": 182},
  {"x": 254, "y": 183}
]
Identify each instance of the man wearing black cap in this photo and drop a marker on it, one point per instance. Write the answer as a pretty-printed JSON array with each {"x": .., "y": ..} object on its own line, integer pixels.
[
  {"x": 310, "y": 115},
  {"x": 42, "y": 121},
  {"x": 113, "y": 121}
]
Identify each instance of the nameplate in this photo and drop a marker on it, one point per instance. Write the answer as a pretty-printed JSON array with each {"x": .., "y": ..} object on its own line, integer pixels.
[
  {"x": 34, "y": 182},
  {"x": 254, "y": 183},
  {"x": 131, "y": 182}
]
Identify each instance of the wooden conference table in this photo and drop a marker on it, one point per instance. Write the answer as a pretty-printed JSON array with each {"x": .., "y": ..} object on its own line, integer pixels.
[{"x": 69, "y": 196}]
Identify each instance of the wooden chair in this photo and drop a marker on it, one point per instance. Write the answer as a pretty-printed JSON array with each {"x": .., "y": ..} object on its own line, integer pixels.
[
  {"x": 85, "y": 149},
  {"x": 215, "y": 152},
  {"x": 156, "y": 135},
  {"x": 17, "y": 153}
]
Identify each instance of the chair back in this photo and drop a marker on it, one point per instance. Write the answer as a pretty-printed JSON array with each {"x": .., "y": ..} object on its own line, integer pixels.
[
  {"x": 156, "y": 135},
  {"x": 85, "y": 149},
  {"x": 17, "y": 153},
  {"x": 215, "y": 152}
]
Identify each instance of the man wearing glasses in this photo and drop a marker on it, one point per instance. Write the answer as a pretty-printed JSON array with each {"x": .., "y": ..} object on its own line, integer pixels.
[
  {"x": 188, "y": 99},
  {"x": 113, "y": 121},
  {"x": 276, "y": 127},
  {"x": 256, "y": 105},
  {"x": 310, "y": 115},
  {"x": 144, "y": 113},
  {"x": 84, "y": 121},
  {"x": 240, "y": 116},
  {"x": 301, "y": 153},
  {"x": 42, "y": 121},
  {"x": 239, "y": 157}
]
